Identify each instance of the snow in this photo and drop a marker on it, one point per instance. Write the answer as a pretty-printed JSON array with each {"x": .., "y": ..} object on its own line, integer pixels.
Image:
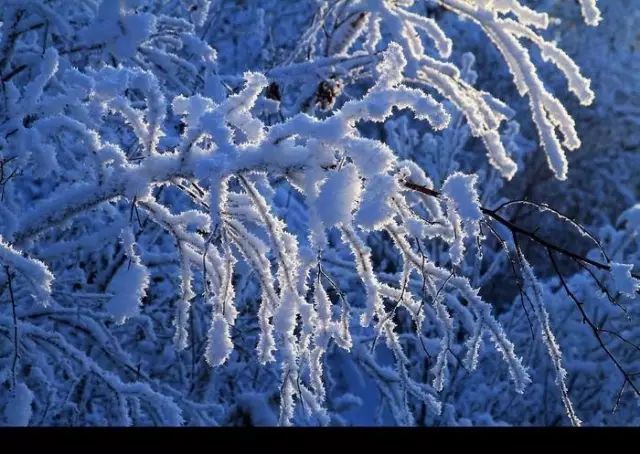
[
  {"x": 631, "y": 218},
  {"x": 339, "y": 196},
  {"x": 18, "y": 410},
  {"x": 128, "y": 287},
  {"x": 623, "y": 282},
  {"x": 278, "y": 213},
  {"x": 219, "y": 345}
]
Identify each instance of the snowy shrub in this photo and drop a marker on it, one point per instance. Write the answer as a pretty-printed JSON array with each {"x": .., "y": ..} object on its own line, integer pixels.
[{"x": 192, "y": 235}]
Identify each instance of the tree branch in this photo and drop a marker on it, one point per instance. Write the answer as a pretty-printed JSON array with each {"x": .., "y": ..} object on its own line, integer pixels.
[
  {"x": 514, "y": 228},
  {"x": 596, "y": 330}
]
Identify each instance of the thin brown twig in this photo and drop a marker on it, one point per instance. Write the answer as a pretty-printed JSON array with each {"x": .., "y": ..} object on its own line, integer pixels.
[
  {"x": 423, "y": 294},
  {"x": 543, "y": 206},
  {"x": 619, "y": 336},
  {"x": 601, "y": 286},
  {"x": 14, "y": 72},
  {"x": 596, "y": 330},
  {"x": 515, "y": 275},
  {"x": 390, "y": 314},
  {"x": 615, "y": 407},
  {"x": 514, "y": 228}
]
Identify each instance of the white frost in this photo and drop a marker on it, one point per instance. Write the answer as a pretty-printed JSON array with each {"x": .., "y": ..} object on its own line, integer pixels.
[
  {"x": 339, "y": 196},
  {"x": 622, "y": 279}
]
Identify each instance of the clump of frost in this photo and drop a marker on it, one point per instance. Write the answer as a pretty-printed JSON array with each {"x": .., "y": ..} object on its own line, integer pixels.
[
  {"x": 623, "y": 282},
  {"x": 339, "y": 196}
]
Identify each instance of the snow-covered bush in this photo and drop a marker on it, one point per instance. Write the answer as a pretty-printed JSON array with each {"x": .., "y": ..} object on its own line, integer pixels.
[{"x": 184, "y": 244}]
